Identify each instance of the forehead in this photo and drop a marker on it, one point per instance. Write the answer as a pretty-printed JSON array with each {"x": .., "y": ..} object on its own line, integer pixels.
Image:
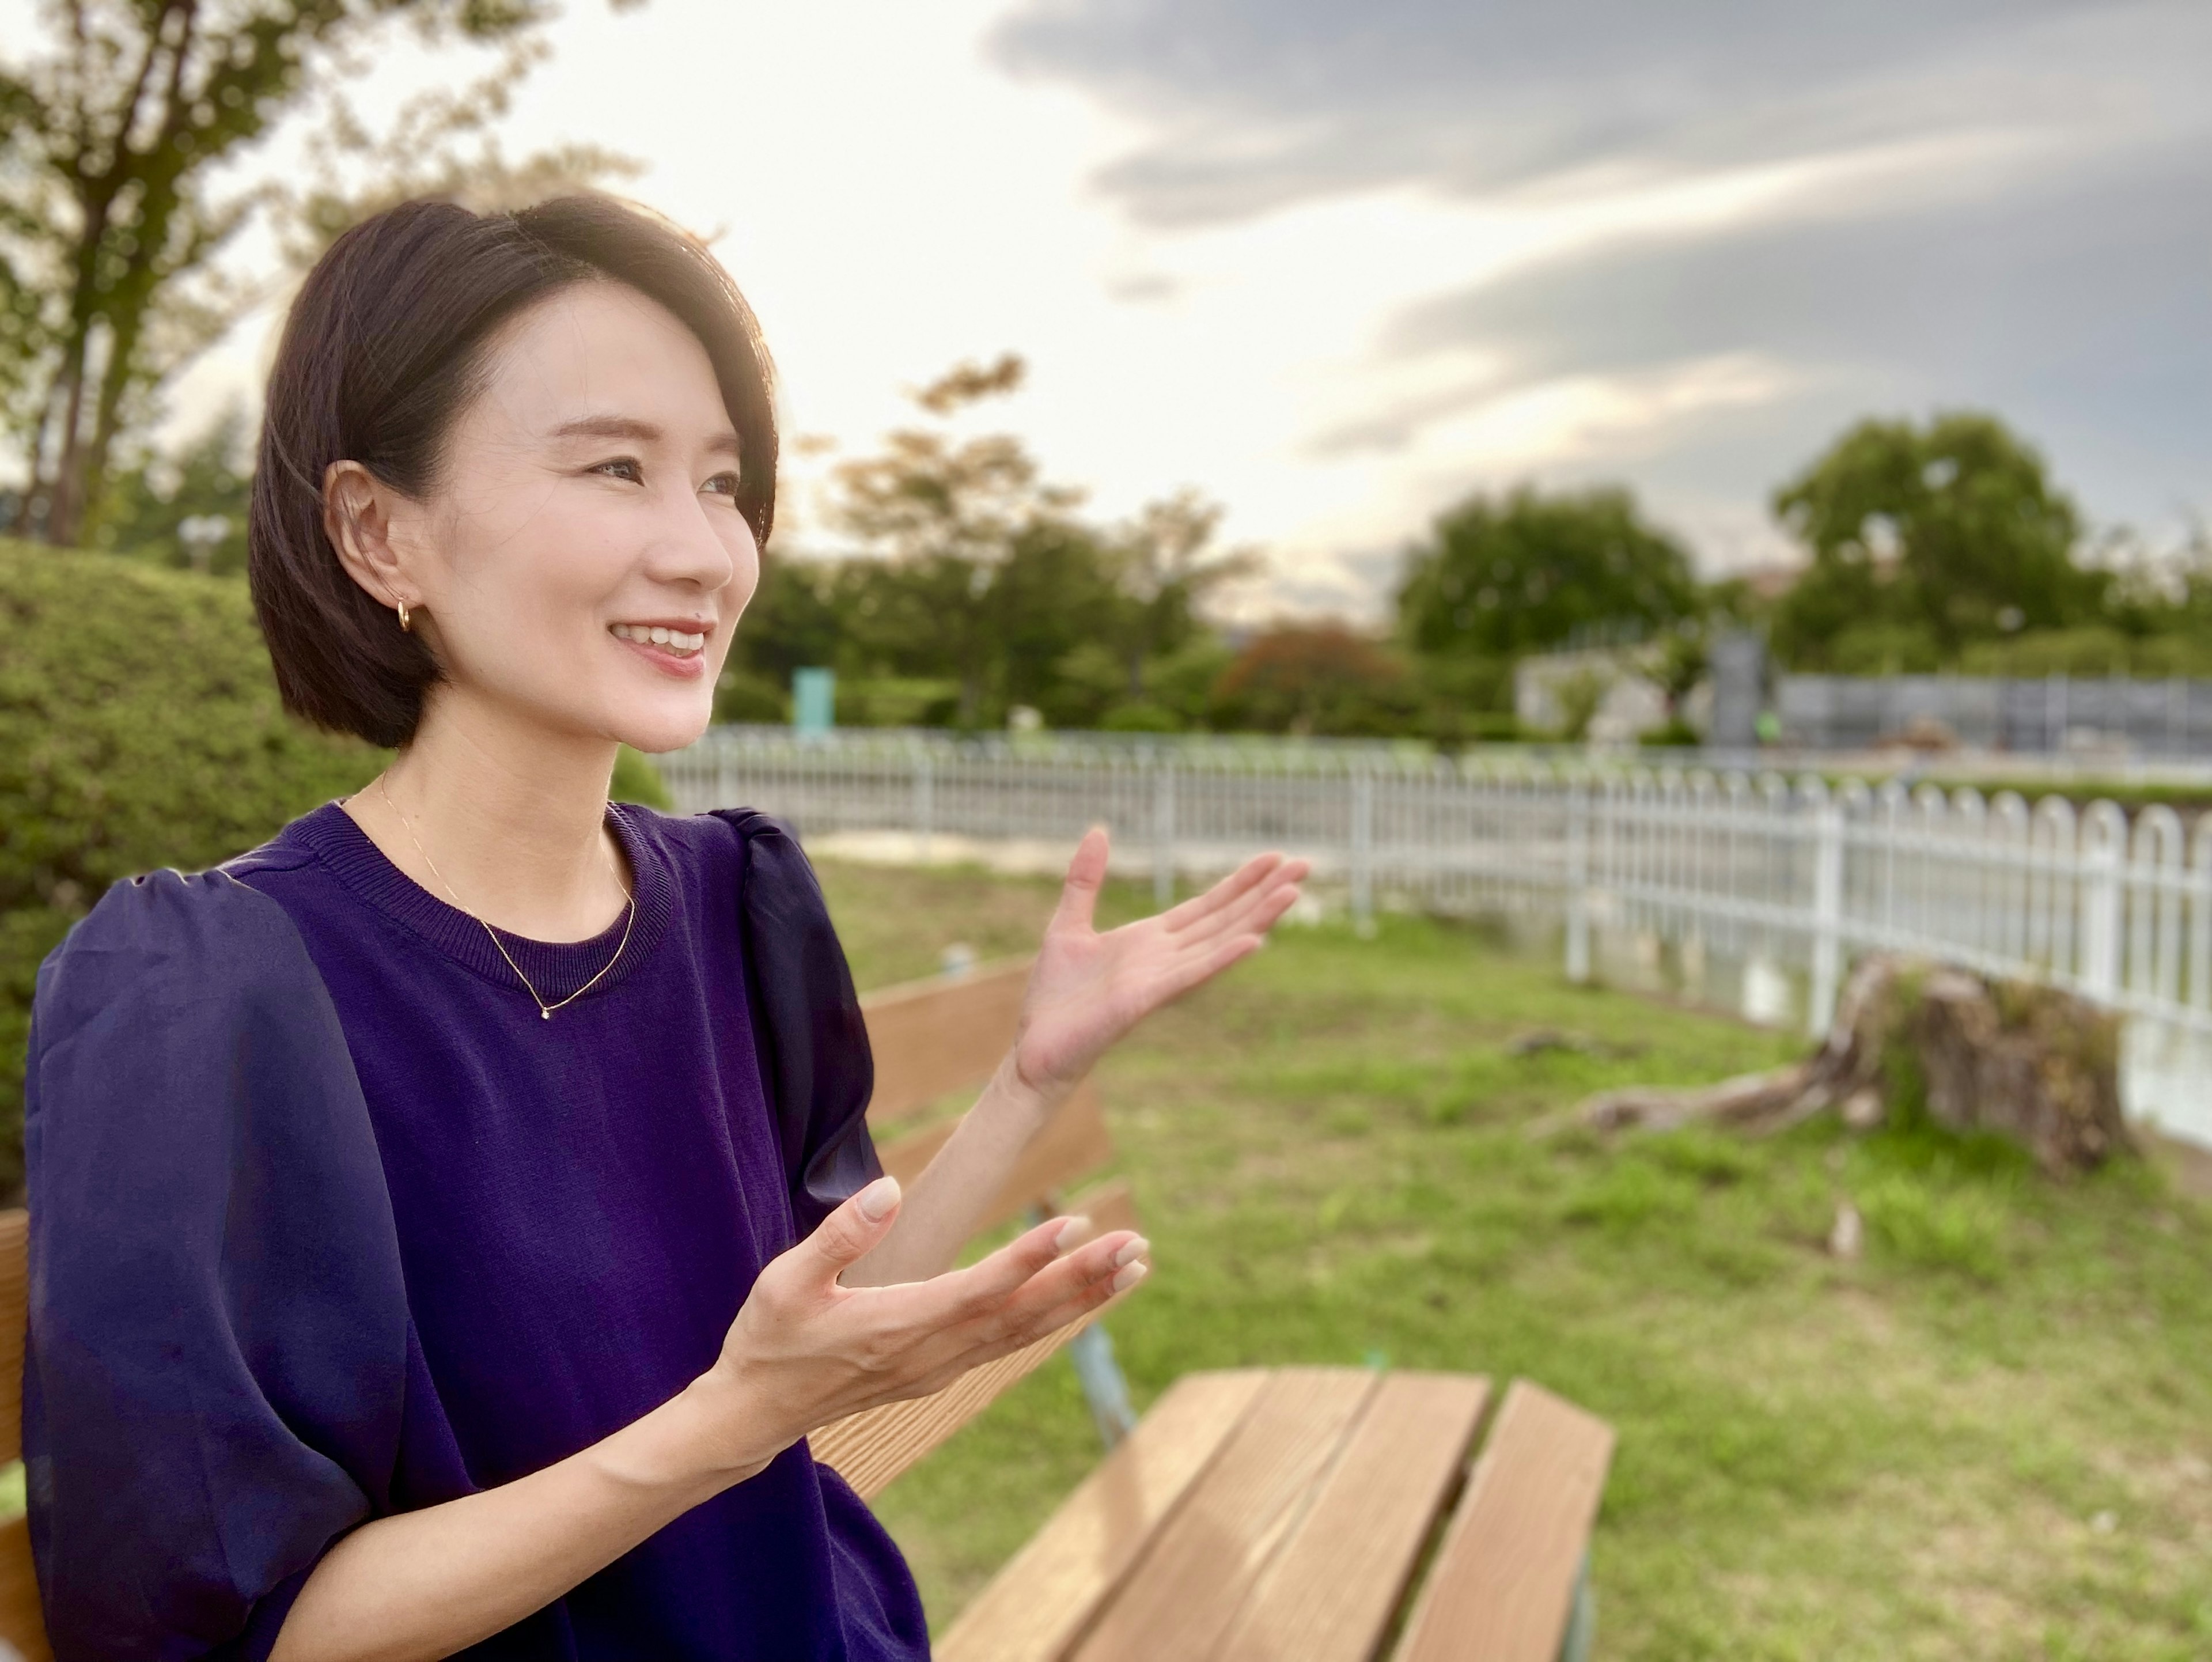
[{"x": 600, "y": 349}]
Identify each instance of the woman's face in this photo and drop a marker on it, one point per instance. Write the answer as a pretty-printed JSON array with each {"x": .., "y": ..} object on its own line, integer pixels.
[{"x": 582, "y": 560}]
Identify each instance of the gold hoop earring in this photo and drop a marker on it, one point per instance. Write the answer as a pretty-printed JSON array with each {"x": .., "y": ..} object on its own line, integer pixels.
[{"x": 406, "y": 623}]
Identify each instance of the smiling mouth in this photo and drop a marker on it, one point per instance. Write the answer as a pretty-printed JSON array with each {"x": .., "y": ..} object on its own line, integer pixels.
[{"x": 680, "y": 643}]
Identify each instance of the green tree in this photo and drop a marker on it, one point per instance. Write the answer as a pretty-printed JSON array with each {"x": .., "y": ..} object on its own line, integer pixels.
[
  {"x": 115, "y": 134},
  {"x": 205, "y": 486},
  {"x": 950, "y": 512},
  {"x": 1499, "y": 578},
  {"x": 1945, "y": 534},
  {"x": 1165, "y": 565}
]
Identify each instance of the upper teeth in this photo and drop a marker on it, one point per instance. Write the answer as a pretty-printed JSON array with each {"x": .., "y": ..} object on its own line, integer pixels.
[{"x": 675, "y": 639}]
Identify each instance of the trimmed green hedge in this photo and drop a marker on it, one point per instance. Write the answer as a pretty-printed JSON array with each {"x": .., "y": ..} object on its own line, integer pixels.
[{"x": 139, "y": 728}]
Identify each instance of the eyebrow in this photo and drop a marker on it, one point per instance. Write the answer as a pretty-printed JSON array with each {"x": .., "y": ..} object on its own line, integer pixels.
[{"x": 640, "y": 432}]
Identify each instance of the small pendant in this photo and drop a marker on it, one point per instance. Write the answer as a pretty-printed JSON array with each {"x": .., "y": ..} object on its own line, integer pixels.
[{"x": 544, "y": 1016}]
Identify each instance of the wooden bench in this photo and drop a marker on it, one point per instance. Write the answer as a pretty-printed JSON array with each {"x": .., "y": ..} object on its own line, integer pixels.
[{"x": 1253, "y": 1515}]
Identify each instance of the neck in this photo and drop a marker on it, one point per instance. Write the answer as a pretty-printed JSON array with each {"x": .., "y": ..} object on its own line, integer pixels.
[{"x": 502, "y": 819}]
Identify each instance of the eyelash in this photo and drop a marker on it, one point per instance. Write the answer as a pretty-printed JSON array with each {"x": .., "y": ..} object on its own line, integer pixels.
[{"x": 728, "y": 483}]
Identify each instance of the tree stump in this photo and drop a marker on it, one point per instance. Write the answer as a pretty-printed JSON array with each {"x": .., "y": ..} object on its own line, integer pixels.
[{"x": 2034, "y": 1064}]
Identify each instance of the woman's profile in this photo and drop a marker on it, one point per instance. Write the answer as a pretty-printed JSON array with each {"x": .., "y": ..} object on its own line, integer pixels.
[{"x": 450, "y": 1219}]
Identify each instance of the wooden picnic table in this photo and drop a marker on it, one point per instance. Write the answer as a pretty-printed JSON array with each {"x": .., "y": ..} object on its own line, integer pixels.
[{"x": 1285, "y": 1514}]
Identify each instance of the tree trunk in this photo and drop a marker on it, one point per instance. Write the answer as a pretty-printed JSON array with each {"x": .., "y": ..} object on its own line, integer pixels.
[{"x": 2033, "y": 1064}]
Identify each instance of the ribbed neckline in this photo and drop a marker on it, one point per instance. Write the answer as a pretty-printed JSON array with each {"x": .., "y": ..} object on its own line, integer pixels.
[{"x": 556, "y": 969}]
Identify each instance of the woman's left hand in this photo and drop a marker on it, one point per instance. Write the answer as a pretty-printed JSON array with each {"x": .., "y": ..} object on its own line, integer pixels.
[{"x": 1088, "y": 989}]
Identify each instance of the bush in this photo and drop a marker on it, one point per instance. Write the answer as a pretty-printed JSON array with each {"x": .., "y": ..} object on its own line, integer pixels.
[
  {"x": 1317, "y": 679},
  {"x": 637, "y": 780},
  {"x": 139, "y": 728}
]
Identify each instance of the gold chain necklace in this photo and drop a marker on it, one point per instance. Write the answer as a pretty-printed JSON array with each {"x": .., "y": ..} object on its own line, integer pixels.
[{"x": 545, "y": 1010}]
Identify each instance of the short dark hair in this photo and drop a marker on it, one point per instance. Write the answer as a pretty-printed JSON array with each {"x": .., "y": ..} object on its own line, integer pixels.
[{"x": 384, "y": 349}]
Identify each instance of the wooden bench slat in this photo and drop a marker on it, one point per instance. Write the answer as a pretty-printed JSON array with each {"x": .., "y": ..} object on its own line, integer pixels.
[
  {"x": 1073, "y": 1144},
  {"x": 22, "y": 1624},
  {"x": 1038, "y": 1605},
  {"x": 869, "y": 1450},
  {"x": 932, "y": 1037},
  {"x": 1203, "y": 1560},
  {"x": 15, "y": 1311},
  {"x": 1331, "y": 1591},
  {"x": 1505, "y": 1574}
]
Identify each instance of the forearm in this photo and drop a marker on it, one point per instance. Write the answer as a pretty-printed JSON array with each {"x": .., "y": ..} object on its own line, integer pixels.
[
  {"x": 423, "y": 1585},
  {"x": 945, "y": 1203}
]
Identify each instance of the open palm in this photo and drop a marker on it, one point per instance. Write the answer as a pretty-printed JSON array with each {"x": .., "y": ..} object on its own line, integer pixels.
[{"x": 1087, "y": 990}]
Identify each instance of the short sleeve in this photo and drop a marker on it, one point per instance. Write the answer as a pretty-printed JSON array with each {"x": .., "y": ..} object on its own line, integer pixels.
[
  {"x": 807, "y": 1026},
  {"x": 217, "y": 1361}
]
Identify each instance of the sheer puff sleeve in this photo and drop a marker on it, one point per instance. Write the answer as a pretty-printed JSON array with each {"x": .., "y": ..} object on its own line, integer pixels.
[
  {"x": 218, "y": 1331},
  {"x": 808, "y": 1029}
]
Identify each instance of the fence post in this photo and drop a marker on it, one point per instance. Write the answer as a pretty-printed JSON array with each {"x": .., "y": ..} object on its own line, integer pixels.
[
  {"x": 1827, "y": 914},
  {"x": 1164, "y": 831},
  {"x": 2103, "y": 841},
  {"x": 1578, "y": 911},
  {"x": 1363, "y": 853},
  {"x": 925, "y": 803}
]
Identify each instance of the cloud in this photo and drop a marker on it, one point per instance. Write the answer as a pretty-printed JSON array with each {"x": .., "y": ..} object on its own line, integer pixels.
[
  {"x": 1256, "y": 103},
  {"x": 1798, "y": 214}
]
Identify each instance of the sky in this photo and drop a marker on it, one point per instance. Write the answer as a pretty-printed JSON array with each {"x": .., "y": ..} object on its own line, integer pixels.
[{"x": 1339, "y": 265}]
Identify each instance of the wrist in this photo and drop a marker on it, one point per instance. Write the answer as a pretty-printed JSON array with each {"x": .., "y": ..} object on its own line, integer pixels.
[
  {"x": 718, "y": 1433},
  {"x": 1039, "y": 1097}
]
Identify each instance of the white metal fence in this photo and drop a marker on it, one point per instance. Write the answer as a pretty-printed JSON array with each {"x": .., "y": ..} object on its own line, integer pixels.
[{"x": 1786, "y": 872}]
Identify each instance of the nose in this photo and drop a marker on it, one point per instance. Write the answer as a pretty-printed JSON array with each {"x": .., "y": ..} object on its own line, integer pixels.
[{"x": 691, "y": 551}]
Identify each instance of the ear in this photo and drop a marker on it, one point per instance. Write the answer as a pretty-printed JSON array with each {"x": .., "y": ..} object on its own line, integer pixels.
[{"x": 357, "y": 517}]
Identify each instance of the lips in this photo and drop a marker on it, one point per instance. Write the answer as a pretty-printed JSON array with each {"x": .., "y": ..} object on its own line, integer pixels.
[{"x": 677, "y": 648}]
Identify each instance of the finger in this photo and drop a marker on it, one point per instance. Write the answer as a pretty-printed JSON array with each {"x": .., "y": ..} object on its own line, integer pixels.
[
  {"x": 945, "y": 1319},
  {"x": 1104, "y": 1263},
  {"x": 1056, "y": 1247},
  {"x": 1078, "y": 896},
  {"x": 1062, "y": 1301},
  {"x": 1255, "y": 910},
  {"x": 1194, "y": 969},
  {"x": 1246, "y": 878},
  {"x": 847, "y": 1235},
  {"x": 1090, "y": 1298}
]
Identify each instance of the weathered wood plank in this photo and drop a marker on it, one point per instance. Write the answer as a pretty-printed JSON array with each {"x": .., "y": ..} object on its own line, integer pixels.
[
  {"x": 1035, "y": 1608},
  {"x": 1504, "y": 1575},
  {"x": 869, "y": 1450},
  {"x": 1330, "y": 1593},
  {"x": 15, "y": 1314},
  {"x": 21, "y": 1622},
  {"x": 1203, "y": 1560},
  {"x": 935, "y": 1036}
]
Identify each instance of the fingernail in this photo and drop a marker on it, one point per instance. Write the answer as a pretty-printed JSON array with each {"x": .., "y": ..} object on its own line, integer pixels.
[
  {"x": 1129, "y": 1274},
  {"x": 1130, "y": 1253},
  {"x": 878, "y": 1199},
  {"x": 1073, "y": 1231}
]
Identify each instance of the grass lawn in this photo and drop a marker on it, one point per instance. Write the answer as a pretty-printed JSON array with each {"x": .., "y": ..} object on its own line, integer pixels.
[{"x": 1990, "y": 1437}]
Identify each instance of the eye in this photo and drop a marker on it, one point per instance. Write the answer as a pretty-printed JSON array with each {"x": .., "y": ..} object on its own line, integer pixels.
[
  {"x": 627, "y": 468},
  {"x": 723, "y": 484}
]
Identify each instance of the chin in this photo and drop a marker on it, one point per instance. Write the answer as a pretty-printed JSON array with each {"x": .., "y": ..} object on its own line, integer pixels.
[{"x": 657, "y": 732}]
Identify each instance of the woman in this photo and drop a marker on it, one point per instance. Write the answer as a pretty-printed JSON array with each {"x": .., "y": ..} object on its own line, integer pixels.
[{"x": 450, "y": 1218}]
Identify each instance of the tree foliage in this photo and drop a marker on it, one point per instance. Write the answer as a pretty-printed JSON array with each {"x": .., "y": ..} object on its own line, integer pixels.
[
  {"x": 984, "y": 574},
  {"x": 115, "y": 129},
  {"x": 1925, "y": 539},
  {"x": 1501, "y": 578}
]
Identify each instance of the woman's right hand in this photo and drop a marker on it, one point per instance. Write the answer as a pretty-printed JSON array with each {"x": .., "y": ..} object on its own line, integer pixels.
[{"x": 805, "y": 1350}]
